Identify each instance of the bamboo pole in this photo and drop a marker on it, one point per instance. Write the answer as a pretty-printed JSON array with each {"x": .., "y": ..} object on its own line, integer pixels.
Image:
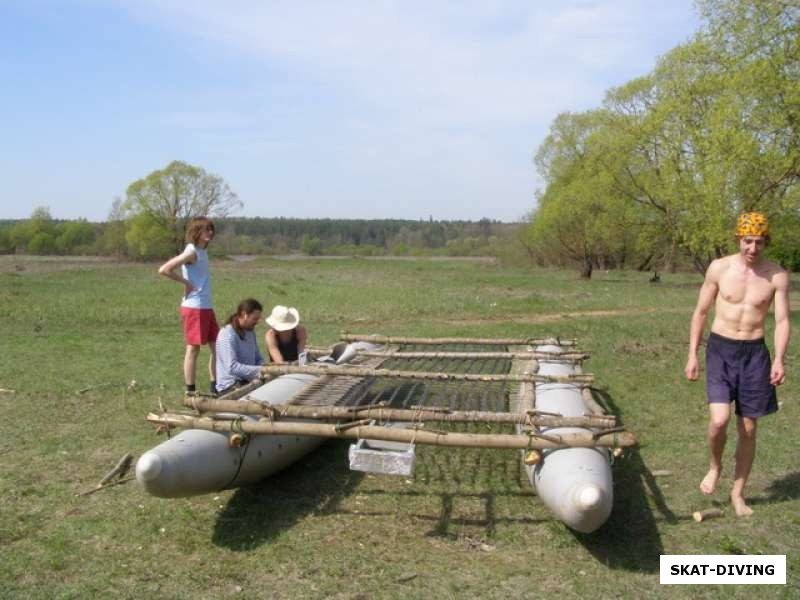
[
  {"x": 394, "y": 434},
  {"x": 347, "y": 371},
  {"x": 386, "y": 339},
  {"x": 527, "y": 398},
  {"x": 560, "y": 356},
  {"x": 383, "y": 414},
  {"x": 590, "y": 402},
  {"x": 243, "y": 390}
]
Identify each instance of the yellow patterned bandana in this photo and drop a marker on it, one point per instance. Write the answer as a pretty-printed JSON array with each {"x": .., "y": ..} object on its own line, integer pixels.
[{"x": 752, "y": 223}]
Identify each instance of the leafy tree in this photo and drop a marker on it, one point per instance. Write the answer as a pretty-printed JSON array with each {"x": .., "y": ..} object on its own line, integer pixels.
[
  {"x": 147, "y": 238},
  {"x": 112, "y": 241},
  {"x": 42, "y": 242},
  {"x": 311, "y": 245},
  {"x": 74, "y": 236},
  {"x": 6, "y": 247},
  {"x": 581, "y": 218},
  {"x": 169, "y": 197},
  {"x": 711, "y": 131},
  {"x": 23, "y": 233}
]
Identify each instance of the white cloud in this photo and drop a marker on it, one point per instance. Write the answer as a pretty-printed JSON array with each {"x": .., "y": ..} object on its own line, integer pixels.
[{"x": 451, "y": 98}]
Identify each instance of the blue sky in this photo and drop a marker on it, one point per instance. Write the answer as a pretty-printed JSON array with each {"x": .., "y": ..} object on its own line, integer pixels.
[{"x": 369, "y": 110}]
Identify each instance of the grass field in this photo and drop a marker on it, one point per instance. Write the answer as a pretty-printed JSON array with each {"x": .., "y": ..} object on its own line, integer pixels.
[{"x": 77, "y": 334}]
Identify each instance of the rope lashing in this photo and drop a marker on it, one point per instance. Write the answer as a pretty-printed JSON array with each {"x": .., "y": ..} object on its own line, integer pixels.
[{"x": 236, "y": 428}]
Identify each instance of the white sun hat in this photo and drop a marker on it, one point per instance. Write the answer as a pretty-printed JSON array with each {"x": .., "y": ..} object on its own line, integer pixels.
[{"x": 283, "y": 319}]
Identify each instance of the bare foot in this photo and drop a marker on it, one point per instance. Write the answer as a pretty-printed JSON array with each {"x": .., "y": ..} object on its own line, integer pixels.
[
  {"x": 709, "y": 483},
  {"x": 741, "y": 508}
]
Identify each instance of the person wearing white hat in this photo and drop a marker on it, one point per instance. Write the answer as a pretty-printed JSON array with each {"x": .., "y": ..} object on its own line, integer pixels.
[{"x": 286, "y": 338}]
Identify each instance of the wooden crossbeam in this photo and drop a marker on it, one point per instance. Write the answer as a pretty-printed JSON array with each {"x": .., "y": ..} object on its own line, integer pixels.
[
  {"x": 348, "y": 371},
  {"x": 357, "y": 430},
  {"x": 386, "y": 339},
  {"x": 560, "y": 356},
  {"x": 383, "y": 413}
]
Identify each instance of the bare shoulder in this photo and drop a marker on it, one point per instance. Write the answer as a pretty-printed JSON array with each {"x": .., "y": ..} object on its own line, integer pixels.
[
  {"x": 778, "y": 276},
  {"x": 717, "y": 267}
]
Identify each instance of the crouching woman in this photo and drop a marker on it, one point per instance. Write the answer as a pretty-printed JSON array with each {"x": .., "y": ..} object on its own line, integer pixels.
[
  {"x": 238, "y": 358},
  {"x": 285, "y": 338}
]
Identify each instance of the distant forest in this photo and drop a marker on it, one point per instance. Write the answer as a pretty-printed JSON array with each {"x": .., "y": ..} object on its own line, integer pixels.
[{"x": 41, "y": 234}]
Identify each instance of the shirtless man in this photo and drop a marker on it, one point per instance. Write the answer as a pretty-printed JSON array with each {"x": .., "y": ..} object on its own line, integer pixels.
[{"x": 741, "y": 286}]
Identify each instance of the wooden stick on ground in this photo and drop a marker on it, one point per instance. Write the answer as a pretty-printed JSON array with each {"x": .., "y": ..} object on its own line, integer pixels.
[
  {"x": 120, "y": 469},
  {"x": 106, "y": 485},
  {"x": 386, "y": 339},
  {"x": 96, "y": 387},
  {"x": 709, "y": 513}
]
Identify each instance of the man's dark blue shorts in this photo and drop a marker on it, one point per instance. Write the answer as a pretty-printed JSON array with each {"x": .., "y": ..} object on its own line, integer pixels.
[{"x": 738, "y": 371}]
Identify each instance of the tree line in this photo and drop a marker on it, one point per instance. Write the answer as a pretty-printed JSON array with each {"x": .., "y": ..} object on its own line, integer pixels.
[
  {"x": 149, "y": 224},
  {"x": 654, "y": 177},
  {"x": 139, "y": 238}
]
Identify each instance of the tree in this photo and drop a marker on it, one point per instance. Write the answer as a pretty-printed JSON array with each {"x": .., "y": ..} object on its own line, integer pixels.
[
  {"x": 581, "y": 219},
  {"x": 147, "y": 238},
  {"x": 311, "y": 245},
  {"x": 74, "y": 237},
  {"x": 112, "y": 241},
  {"x": 170, "y": 196},
  {"x": 40, "y": 227},
  {"x": 713, "y": 130}
]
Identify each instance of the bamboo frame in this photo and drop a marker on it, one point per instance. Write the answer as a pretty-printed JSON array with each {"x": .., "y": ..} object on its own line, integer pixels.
[
  {"x": 527, "y": 397},
  {"x": 239, "y": 392},
  {"x": 590, "y": 402},
  {"x": 347, "y": 371},
  {"x": 386, "y": 339},
  {"x": 565, "y": 357},
  {"x": 383, "y": 414},
  {"x": 357, "y": 430}
]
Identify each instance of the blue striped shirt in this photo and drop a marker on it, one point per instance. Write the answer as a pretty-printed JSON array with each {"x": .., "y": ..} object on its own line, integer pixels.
[{"x": 237, "y": 359}]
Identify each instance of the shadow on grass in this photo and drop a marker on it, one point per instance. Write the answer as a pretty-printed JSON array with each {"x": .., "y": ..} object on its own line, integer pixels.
[
  {"x": 257, "y": 513},
  {"x": 446, "y": 523},
  {"x": 785, "y": 488},
  {"x": 780, "y": 490},
  {"x": 629, "y": 540}
]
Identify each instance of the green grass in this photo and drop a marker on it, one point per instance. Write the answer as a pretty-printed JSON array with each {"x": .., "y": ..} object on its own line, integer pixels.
[{"x": 76, "y": 334}]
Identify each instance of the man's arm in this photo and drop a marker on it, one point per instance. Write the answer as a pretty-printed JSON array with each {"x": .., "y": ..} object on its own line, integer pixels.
[
  {"x": 778, "y": 374},
  {"x": 168, "y": 268},
  {"x": 708, "y": 293}
]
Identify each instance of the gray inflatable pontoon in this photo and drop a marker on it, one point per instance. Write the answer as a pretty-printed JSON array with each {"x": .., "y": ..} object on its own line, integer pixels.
[
  {"x": 574, "y": 483},
  {"x": 197, "y": 461}
]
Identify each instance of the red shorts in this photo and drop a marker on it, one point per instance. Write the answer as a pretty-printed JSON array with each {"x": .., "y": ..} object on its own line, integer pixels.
[{"x": 199, "y": 326}]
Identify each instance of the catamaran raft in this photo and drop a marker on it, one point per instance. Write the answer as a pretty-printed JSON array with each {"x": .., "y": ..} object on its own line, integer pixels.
[{"x": 391, "y": 394}]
